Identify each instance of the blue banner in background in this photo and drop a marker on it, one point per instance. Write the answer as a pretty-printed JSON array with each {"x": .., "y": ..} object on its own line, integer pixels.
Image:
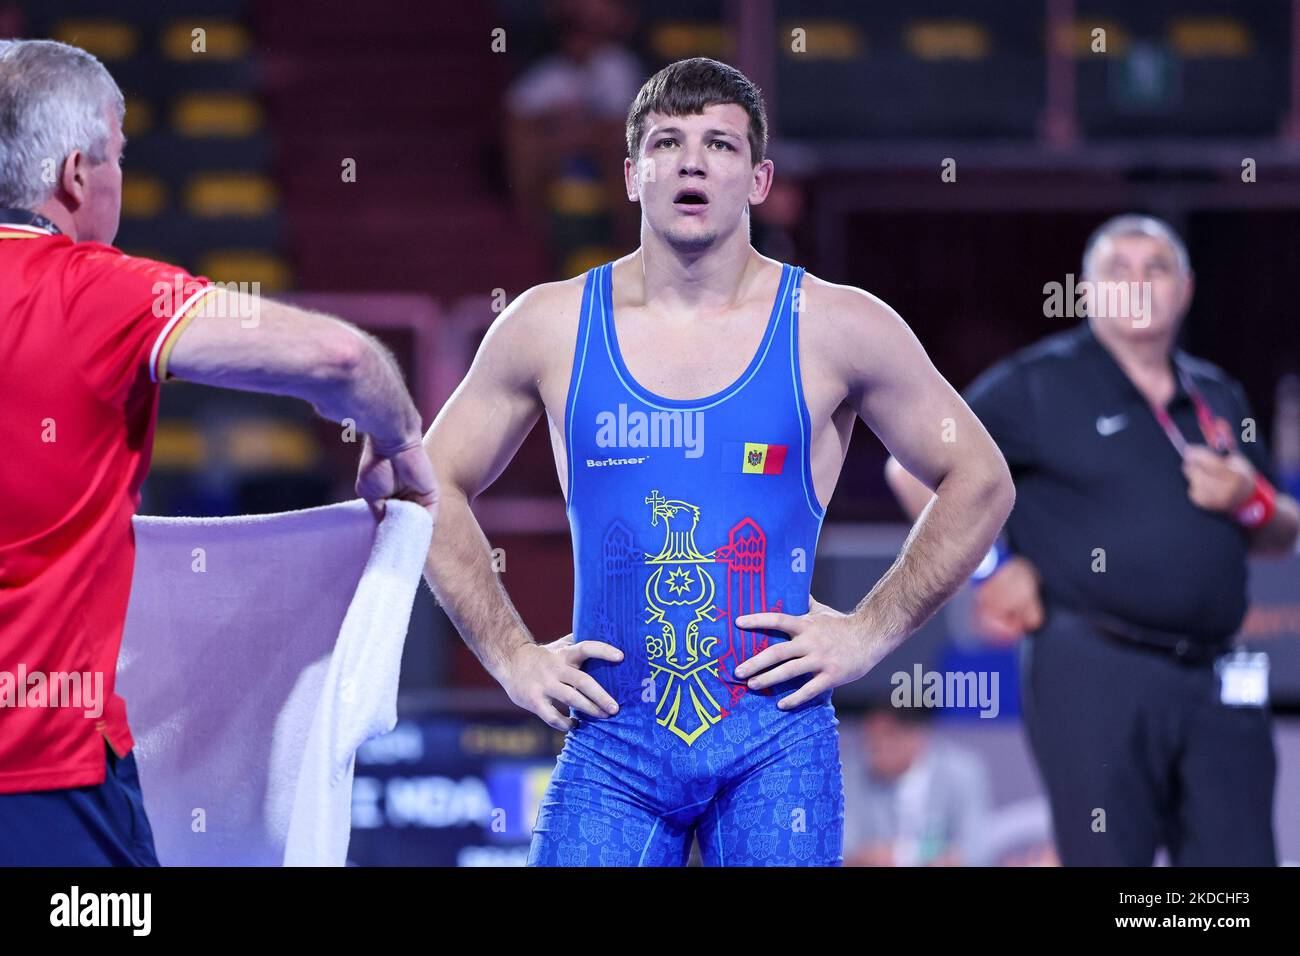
[{"x": 442, "y": 790}]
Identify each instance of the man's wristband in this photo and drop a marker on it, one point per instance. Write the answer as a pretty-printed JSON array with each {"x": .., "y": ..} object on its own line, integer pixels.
[
  {"x": 998, "y": 555},
  {"x": 1257, "y": 510}
]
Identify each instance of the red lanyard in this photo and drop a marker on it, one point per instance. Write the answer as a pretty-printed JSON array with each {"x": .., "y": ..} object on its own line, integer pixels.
[{"x": 1216, "y": 435}]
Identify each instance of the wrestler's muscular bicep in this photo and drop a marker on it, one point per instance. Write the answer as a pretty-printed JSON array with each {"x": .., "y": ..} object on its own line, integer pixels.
[
  {"x": 897, "y": 391},
  {"x": 496, "y": 405}
]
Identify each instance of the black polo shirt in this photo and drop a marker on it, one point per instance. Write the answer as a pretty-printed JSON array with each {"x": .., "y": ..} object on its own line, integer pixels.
[{"x": 1094, "y": 470}]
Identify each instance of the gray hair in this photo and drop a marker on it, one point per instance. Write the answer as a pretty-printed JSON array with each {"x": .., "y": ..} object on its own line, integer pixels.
[
  {"x": 1132, "y": 224},
  {"x": 53, "y": 99}
]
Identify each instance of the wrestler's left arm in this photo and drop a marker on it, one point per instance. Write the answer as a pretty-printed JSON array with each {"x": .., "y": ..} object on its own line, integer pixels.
[{"x": 896, "y": 390}]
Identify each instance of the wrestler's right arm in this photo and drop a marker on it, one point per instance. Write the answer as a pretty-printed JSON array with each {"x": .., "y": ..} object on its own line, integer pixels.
[
  {"x": 1008, "y": 604},
  {"x": 470, "y": 443}
]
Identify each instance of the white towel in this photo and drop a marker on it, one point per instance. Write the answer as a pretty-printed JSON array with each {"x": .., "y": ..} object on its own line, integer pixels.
[{"x": 259, "y": 653}]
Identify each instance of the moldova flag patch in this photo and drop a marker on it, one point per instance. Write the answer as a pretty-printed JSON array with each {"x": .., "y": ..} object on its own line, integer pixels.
[{"x": 753, "y": 458}]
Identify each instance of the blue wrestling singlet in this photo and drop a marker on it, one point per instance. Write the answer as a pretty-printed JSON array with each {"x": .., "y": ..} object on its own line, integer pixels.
[{"x": 686, "y": 515}]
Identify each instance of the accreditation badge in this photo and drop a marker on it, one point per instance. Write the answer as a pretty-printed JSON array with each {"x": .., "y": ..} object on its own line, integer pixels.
[{"x": 1243, "y": 678}]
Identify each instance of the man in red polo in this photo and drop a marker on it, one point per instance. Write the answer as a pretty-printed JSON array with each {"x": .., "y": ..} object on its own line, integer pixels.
[{"x": 87, "y": 334}]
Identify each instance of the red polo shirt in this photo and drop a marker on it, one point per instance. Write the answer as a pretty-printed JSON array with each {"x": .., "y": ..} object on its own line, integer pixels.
[{"x": 85, "y": 332}]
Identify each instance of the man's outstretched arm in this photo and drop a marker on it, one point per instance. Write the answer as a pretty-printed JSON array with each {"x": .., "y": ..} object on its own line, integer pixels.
[
  {"x": 470, "y": 443},
  {"x": 927, "y": 426},
  {"x": 343, "y": 372}
]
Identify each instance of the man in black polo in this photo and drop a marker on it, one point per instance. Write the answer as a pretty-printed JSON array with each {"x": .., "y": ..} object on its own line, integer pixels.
[{"x": 1140, "y": 489}]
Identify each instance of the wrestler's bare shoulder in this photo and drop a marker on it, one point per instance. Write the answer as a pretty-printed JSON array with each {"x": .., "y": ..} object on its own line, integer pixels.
[
  {"x": 532, "y": 341},
  {"x": 847, "y": 329},
  {"x": 538, "y": 322}
]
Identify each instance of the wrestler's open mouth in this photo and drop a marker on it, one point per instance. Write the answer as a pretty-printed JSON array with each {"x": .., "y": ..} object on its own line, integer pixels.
[{"x": 691, "y": 197}]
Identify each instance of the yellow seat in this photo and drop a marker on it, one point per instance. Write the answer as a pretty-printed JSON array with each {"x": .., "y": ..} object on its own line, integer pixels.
[
  {"x": 823, "y": 40},
  {"x": 216, "y": 114},
  {"x": 106, "y": 38},
  {"x": 587, "y": 257},
  {"x": 265, "y": 444},
  {"x": 247, "y": 266},
  {"x": 1210, "y": 37},
  {"x": 677, "y": 39},
  {"x": 576, "y": 197},
  {"x": 178, "y": 445},
  {"x": 139, "y": 117},
  {"x": 947, "y": 40},
  {"x": 222, "y": 40},
  {"x": 210, "y": 195},
  {"x": 143, "y": 196}
]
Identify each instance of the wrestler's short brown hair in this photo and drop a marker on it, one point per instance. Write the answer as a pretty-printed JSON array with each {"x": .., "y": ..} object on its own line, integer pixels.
[{"x": 687, "y": 87}]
